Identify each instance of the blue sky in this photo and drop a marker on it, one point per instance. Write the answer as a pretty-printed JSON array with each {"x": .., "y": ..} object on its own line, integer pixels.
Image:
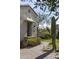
[{"x": 37, "y": 10}]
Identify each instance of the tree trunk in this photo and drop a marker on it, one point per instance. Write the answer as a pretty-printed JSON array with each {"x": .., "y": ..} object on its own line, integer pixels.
[{"x": 53, "y": 32}]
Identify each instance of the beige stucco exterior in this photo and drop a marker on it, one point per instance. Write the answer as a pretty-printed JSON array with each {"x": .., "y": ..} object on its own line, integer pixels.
[{"x": 28, "y": 16}]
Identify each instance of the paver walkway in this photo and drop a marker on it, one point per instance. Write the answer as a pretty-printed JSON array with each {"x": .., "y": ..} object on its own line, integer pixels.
[{"x": 36, "y": 53}]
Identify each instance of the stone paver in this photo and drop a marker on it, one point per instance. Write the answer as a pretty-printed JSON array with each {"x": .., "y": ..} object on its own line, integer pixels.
[{"x": 32, "y": 53}]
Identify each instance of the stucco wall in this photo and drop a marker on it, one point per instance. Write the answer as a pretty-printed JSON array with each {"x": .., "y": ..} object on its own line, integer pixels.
[
  {"x": 24, "y": 13},
  {"x": 23, "y": 30}
]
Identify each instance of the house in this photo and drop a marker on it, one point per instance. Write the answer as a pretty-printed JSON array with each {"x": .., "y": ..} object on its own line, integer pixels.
[{"x": 28, "y": 22}]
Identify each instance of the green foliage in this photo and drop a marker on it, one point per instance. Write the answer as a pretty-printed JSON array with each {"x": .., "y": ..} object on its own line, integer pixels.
[
  {"x": 46, "y": 40},
  {"x": 30, "y": 41},
  {"x": 48, "y": 29},
  {"x": 44, "y": 34},
  {"x": 54, "y": 4},
  {"x": 50, "y": 42},
  {"x": 33, "y": 41}
]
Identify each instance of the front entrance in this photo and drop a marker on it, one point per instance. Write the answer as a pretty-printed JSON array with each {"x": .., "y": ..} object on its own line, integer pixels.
[{"x": 29, "y": 28}]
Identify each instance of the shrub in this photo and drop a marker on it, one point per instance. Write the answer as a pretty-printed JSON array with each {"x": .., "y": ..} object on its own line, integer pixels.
[
  {"x": 30, "y": 41},
  {"x": 33, "y": 41},
  {"x": 44, "y": 36}
]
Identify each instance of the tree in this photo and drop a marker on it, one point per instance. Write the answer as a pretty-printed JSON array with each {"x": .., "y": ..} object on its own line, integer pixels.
[
  {"x": 53, "y": 6},
  {"x": 39, "y": 21},
  {"x": 48, "y": 29}
]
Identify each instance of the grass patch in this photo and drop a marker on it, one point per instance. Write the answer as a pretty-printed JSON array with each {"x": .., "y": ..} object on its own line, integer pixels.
[
  {"x": 50, "y": 42},
  {"x": 57, "y": 44},
  {"x": 46, "y": 40}
]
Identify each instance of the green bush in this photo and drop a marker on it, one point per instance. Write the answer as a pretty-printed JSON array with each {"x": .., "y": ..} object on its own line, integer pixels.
[
  {"x": 29, "y": 41},
  {"x": 33, "y": 41},
  {"x": 44, "y": 36}
]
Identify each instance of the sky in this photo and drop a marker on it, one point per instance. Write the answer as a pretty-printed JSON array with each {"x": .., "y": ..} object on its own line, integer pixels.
[{"x": 37, "y": 10}]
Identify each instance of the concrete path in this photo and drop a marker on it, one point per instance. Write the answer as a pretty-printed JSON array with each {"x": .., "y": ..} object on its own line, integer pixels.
[{"x": 36, "y": 53}]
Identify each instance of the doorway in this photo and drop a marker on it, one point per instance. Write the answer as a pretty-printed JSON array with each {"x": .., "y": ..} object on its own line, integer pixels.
[{"x": 29, "y": 28}]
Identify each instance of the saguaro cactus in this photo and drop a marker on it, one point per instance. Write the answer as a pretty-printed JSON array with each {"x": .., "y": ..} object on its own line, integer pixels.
[{"x": 53, "y": 32}]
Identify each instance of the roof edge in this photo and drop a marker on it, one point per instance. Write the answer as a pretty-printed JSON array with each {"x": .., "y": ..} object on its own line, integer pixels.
[{"x": 30, "y": 7}]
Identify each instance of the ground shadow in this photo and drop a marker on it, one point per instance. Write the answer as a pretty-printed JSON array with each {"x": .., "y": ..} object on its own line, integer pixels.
[{"x": 44, "y": 55}]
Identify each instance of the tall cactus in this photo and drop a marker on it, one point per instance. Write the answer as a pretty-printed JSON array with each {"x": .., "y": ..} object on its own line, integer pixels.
[{"x": 53, "y": 32}]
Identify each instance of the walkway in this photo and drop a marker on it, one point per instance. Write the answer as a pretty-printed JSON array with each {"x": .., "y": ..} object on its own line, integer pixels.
[{"x": 36, "y": 53}]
